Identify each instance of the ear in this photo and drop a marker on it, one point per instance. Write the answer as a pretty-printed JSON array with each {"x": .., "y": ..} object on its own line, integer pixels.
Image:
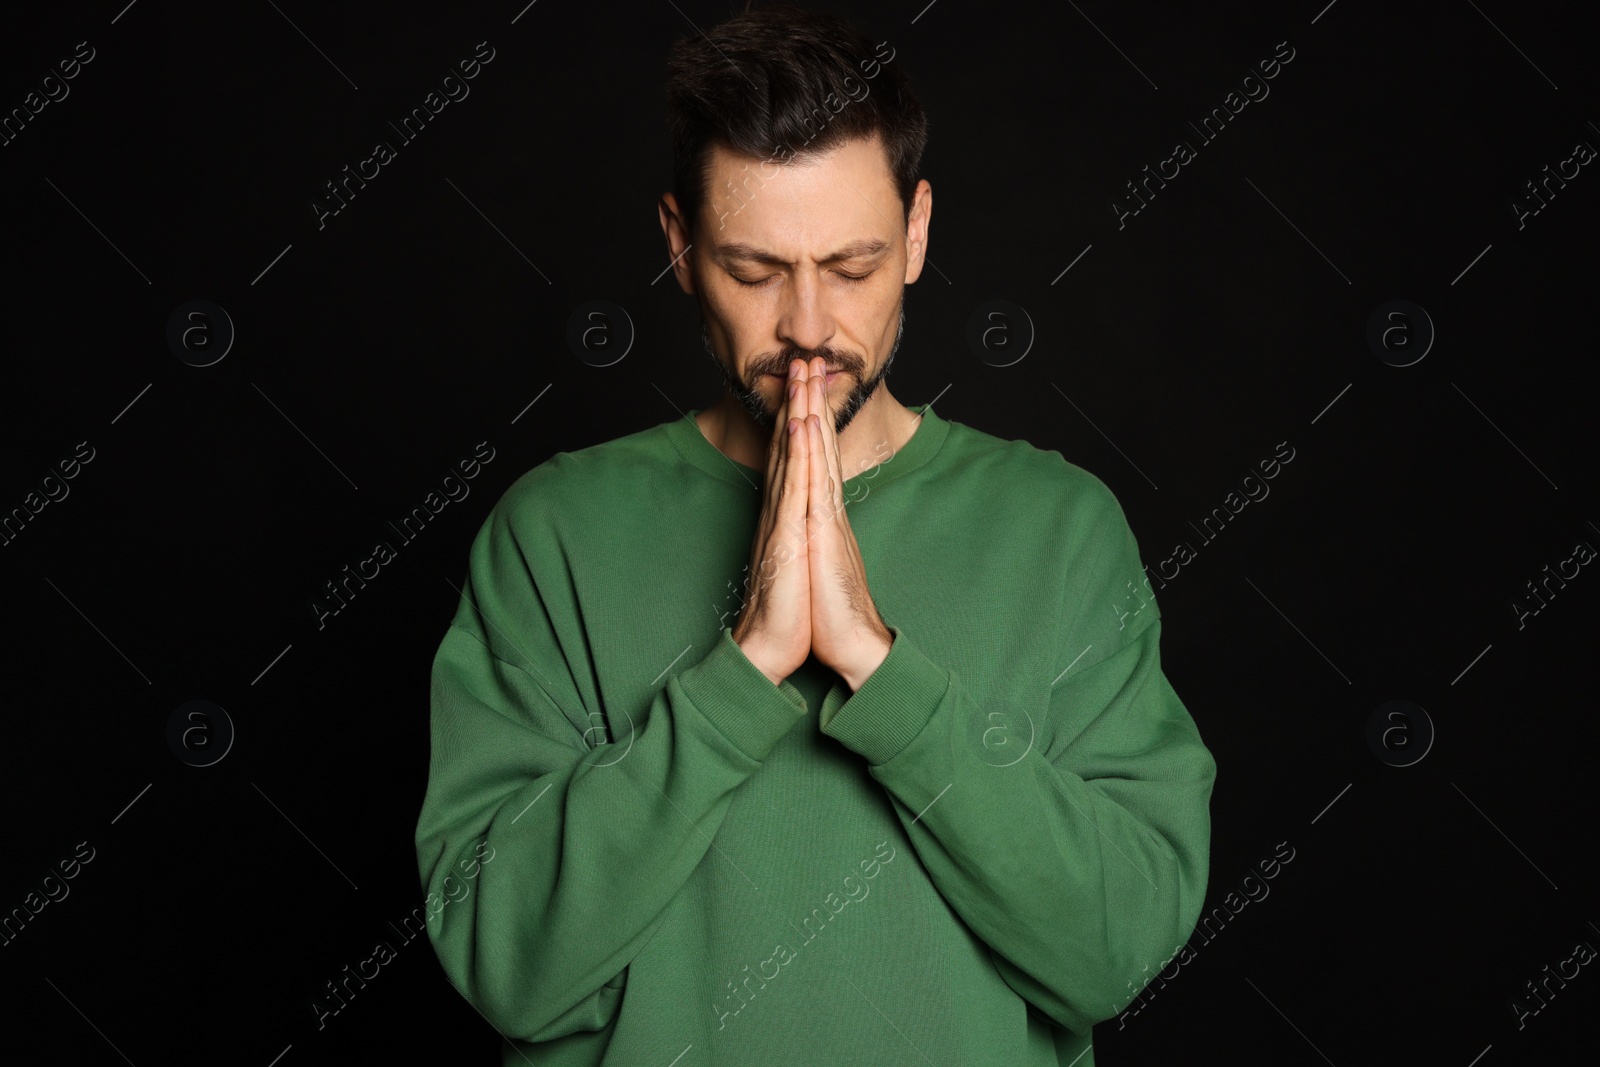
[
  {"x": 678, "y": 235},
  {"x": 917, "y": 230}
]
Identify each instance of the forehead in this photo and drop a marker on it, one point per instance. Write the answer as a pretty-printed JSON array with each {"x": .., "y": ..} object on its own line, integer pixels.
[{"x": 806, "y": 204}]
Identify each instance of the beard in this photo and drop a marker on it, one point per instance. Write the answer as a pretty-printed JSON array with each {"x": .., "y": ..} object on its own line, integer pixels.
[{"x": 845, "y": 362}]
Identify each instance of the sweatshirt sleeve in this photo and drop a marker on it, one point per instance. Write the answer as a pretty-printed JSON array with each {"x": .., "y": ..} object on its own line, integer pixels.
[
  {"x": 1079, "y": 853},
  {"x": 551, "y": 849}
]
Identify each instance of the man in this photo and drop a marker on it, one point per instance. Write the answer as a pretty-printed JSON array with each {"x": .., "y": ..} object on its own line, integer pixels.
[{"x": 909, "y": 787}]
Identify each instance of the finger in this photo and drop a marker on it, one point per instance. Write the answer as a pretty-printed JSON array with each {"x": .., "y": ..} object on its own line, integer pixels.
[
  {"x": 779, "y": 432},
  {"x": 774, "y": 513},
  {"x": 801, "y": 402},
  {"x": 783, "y": 456},
  {"x": 830, "y": 435},
  {"x": 795, "y": 445},
  {"x": 826, "y": 456},
  {"x": 777, "y": 450},
  {"x": 793, "y": 406},
  {"x": 836, "y": 460},
  {"x": 821, "y": 501},
  {"x": 772, "y": 502},
  {"x": 796, "y": 480},
  {"x": 819, "y": 504},
  {"x": 836, "y": 457}
]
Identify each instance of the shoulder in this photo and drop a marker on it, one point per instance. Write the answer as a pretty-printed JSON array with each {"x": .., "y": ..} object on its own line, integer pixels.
[
  {"x": 577, "y": 487},
  {"x": 1017, "y": 474}
]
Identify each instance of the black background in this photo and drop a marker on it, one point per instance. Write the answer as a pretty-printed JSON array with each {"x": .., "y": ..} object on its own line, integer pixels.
[{"x": 1178, "y": 350}]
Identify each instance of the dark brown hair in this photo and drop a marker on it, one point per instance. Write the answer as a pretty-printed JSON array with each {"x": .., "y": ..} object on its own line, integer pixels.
[{"x": 763, "y": 82}]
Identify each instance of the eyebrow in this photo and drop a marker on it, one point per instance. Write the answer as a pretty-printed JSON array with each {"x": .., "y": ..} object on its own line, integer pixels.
[{"x": 866, "y": 246}]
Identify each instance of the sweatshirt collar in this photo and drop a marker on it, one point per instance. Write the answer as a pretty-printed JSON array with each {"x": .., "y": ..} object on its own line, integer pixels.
[{"x": 693, "y": 446}]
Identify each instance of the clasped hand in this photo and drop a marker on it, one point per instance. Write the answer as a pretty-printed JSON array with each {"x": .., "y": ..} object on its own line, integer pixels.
[{"x": 808, "y": 587}]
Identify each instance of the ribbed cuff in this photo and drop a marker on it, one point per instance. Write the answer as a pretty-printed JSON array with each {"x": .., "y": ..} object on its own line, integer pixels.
[
  {"x": 892, "y": 705},
  {"x": 740, "y": 701}
]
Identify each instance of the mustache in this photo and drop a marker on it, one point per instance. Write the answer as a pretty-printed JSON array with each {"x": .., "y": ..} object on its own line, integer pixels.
[{"x": 835, "y": 360}]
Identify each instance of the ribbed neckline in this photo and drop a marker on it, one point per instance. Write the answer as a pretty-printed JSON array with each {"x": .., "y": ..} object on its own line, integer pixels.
[{"x": 925, "y": 441}]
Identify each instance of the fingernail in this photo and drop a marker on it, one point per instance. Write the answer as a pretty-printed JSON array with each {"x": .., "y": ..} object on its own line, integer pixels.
[{"x": 794, "y": 390}]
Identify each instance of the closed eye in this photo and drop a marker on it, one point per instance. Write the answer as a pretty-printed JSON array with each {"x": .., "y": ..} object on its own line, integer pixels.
[{"x": 763, "y": 281}]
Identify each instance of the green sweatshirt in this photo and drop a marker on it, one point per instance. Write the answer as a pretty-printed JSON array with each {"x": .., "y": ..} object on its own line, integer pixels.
[{"x": 639, "y": 851}]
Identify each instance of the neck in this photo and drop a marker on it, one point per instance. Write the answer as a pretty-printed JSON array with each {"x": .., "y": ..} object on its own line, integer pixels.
[{"x": 881, "y": 428}]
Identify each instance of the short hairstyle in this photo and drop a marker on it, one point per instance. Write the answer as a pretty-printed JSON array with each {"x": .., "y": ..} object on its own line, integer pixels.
[{"x": 760, "y": 84}]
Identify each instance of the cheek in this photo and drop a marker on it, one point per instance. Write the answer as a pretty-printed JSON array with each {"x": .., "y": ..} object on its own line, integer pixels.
[{"x": 739, "y": 313}]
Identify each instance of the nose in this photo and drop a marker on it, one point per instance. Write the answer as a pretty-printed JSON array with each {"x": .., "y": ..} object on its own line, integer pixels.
[{"x": 805, "y": 320}]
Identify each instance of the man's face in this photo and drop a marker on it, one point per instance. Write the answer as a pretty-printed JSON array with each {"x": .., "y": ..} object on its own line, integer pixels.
[{"x": 800, "y": 260}]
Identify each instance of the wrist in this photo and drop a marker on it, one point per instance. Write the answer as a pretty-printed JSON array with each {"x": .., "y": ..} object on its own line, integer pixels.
[
  {"x": 752, "y": 652},
  {"x": 875, "y": 651}
]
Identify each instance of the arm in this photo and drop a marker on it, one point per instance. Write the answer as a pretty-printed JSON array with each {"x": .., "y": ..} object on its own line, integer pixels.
[
  {"x": 590, "y": 840},
  {"x": 1084, "y": 858}
]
